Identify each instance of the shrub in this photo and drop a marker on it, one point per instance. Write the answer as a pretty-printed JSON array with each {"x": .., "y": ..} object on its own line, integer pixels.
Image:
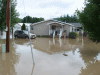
[
  {"x": 23, "y": 27},
  {"x": 37, "y": 35},
  {"x": 42, "y": 36},
  {"x": 77, "y": 34},
  {"x": 64, "y": 30},
  {"x": 73, "y": 35}
]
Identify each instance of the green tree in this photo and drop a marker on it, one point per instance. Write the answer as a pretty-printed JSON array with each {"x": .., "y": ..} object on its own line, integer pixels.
[
  {"x": 29, "y": 19},
  {"x": 20, "y": 20},
  {"x": 41, "y": 19},
  {"x": 3, "y": 4},
  {"x": 35, "y": 19},
  {"x": 23, "y": 27},
  {"x": 67, "y": 18},
  {"x": 14, "y": 14},
  {"x": 90, "y": 19}
]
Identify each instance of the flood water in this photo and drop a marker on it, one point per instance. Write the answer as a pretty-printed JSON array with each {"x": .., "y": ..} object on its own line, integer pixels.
[{"x": 83, "y": 57}]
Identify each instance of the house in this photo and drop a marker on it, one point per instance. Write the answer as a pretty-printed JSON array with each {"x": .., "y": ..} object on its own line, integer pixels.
[
  {"x": 18, "y": 26},
  {"x": 78, "y": 27},
  {"x": 52, "y": 28}
]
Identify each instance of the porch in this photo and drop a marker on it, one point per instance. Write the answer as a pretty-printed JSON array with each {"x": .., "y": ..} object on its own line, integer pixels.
[{"x": 56, "y": 29}]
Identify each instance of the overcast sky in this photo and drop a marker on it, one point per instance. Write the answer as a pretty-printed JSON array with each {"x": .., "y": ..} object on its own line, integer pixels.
[{"x": 48, "y": 9}]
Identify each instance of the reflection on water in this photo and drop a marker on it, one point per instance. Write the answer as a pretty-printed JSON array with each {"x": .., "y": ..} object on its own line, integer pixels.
[
  {"x": 83, "y": 57},
  {"x": 8, "y": 60},
  {"x": 57, "y": 45}
]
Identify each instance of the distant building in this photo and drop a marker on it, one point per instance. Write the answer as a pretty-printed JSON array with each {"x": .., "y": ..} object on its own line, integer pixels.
[{"x": 18, "y": 26}]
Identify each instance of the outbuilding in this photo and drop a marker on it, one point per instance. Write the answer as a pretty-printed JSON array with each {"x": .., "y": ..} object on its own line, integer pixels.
[{"x": 18, "y": 26}]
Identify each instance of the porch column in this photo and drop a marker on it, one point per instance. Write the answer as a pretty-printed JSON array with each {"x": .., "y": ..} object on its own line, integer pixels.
[
  {"x": 49, "y": 30},
  {"x": 62, "y": 28}
]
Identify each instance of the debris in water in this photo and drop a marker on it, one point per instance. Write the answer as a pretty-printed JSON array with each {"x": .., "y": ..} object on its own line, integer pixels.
[{"x": 65, "y": 54}]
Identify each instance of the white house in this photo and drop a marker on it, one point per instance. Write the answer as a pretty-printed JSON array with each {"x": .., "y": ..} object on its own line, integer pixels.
[{"x": 19, "y": 25}]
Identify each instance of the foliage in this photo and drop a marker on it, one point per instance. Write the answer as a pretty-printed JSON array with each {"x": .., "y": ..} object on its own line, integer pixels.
[
  {"x": 19, "y": 20},
  {"x": 90, "y": 18},
  {"x": 77, "y": 34},
  {"x": 3, "y": 7},
  {"x": 37, "y": 35},
  {"x": 29, "y": 19},
  {"x": 67, "y": 18},
  {"x": 64, "y": 30},
  {"x": 23, "y": 27},
  {"x": 73, "y": 35},
  {"x": 42, "y": 36},
  {"x": 14, "y": 14}
]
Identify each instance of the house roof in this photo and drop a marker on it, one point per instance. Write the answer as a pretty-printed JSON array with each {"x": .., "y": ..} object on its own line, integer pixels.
[
  {"x": 60, "y": 22},
  {"x": 27, "y": 24},
  {"x": 41, "y": 22},
  {"x": 76, "y": 24}
]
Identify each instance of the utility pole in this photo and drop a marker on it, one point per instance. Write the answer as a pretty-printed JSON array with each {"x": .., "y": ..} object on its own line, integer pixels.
[{"x": 8, "y": 26}]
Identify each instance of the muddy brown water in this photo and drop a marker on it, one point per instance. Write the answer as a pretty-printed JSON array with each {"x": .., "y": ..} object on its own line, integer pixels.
[{"x": 83, "y": 57}]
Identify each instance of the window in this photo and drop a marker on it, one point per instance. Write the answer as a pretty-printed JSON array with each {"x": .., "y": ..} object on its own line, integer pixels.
[
  {"x": 77, "y": 29},
  {"x": 20, "y": 32},
  {"x": 72, "y": 29},
  {"x": 32, "y": 27},
  {"x": 26, "y": 32}
]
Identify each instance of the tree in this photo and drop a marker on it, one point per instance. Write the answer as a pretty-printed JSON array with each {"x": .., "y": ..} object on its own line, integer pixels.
[
  {"x": 67, "y": 18},
  {"x": 29, "y": 19},
  {"x": 90, "y": 19},
  {"x": 35, "y": 19},
  {"x": 14, "y": 14},
  {"x": 23, "y": 27},
  {"x": 3, "y": 6},
  {"x": 20, "y": 20}
]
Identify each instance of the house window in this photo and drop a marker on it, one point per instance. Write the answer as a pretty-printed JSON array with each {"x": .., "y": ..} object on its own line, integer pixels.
[
  {"x": 72, "y": 29},
  {"x": 77, "y": 29},
  {"x": 32, "y": 27}
]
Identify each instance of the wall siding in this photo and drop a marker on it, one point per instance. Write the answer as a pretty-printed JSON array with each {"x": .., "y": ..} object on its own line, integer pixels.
[
  {"x": 41, "y": 29},
  {"x": 67, "y": 28}
]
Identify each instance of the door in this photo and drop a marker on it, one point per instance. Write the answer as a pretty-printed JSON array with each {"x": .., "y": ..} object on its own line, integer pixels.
[{"x": 58, "y": 30}]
